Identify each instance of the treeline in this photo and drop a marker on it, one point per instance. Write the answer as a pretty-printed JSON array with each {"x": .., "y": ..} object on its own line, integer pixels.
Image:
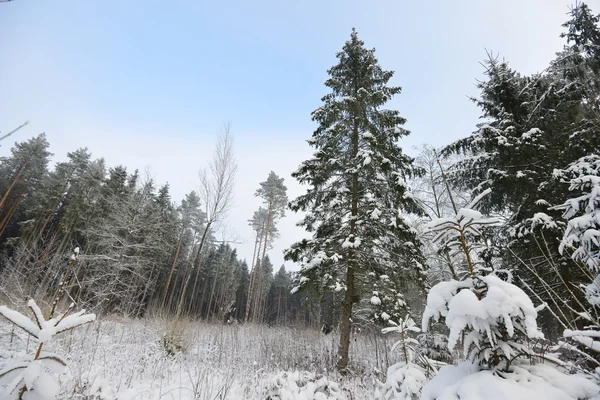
[{"x": 139, "y": 251}]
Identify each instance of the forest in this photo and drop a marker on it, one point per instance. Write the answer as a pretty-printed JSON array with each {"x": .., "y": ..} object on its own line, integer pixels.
[{"x": 468, "y": 271}]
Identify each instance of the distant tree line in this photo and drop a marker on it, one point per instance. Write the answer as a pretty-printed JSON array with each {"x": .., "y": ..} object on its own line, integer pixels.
[{"x": 139, "y": 249}]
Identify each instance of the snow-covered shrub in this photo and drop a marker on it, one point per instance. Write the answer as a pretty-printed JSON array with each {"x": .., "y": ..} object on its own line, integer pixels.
[
  {"x": 492, "y": 317},
  {"x": 303, "y": 386},
  {"x": 462, "y": 233},
  {"x": 404, "y": 379},
  {"x": 494, "y": 320},
  {"x": 173, "y": 342},
  {"x": 495, "y": 317},
  {"x": 30, "y": 377}
]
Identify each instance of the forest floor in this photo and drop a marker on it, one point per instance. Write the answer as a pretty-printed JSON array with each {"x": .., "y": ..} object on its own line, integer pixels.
[{"x": 130, "y": 359}]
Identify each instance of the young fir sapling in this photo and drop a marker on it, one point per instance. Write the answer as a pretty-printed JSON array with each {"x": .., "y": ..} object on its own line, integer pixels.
[
  {"x": 29, "y": 377},
  {"x": 494, "y": 319},
  {"x": 404, "y": 379}
]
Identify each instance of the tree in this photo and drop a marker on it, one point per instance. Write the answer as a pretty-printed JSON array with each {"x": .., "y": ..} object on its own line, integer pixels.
[
  {"x": 216, "y": 192},
  {"x": 21, "y": 176},
  {"x": 357, "y": 195},
  {"x": 192, "y": 218},
  {"x": 495, "y": 320},
  {"x": 273, "y": 193},
  {"x": 534, "y": 125}
]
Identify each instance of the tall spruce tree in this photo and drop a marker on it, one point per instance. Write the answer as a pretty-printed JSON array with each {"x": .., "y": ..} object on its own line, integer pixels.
[{"x": 357, "y": 190}]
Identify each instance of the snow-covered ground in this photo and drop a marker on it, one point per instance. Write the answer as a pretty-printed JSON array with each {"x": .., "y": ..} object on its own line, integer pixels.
[{"x": 125, "y": 359}]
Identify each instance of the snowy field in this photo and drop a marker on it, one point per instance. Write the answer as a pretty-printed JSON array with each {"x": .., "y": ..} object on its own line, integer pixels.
[{"x": 119, "y": 359}]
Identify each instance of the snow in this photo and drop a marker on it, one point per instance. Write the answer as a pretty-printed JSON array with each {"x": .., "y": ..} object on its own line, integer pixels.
[
  {"x": 585, "y": 338},
  {"x": 376, "y": 301},
  {"x": 531, "y": 133},
  {"x": 467, "y": 381},
  {"x": 45, "y": 329},
  {"x": 375, "y": 214},
  {"x": 19, "y": 320},
  {"x": 34, "y": 375},
  {"x": 543, "y": 220},
  {"x": 303, "y": 386},
  {"x": 403, "y": 382},
  {"x": 504, "y": 303},
  {"x": 351, "y": 242}
]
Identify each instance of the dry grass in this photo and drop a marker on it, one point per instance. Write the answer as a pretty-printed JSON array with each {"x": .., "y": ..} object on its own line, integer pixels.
[{"x": 220, "y": 361}]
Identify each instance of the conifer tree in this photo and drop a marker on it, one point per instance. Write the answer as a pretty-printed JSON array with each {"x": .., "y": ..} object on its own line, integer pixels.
[
  {"x": 357, "y": 190},
  {"x": 534, "y": 126},
  {"x": 273, "y": 193}
]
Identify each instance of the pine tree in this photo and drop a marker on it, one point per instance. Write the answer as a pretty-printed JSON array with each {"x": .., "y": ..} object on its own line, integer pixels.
[
  {"x": 22, "y": 175},
  {"x": 273, "y": 193},
  {"x": 357, "y": 188}
]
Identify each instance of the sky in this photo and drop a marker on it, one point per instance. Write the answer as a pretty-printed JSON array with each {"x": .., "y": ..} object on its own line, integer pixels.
[{"x": 149, "y": 84}]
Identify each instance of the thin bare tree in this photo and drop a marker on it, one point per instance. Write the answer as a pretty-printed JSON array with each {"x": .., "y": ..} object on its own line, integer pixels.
[{"x": 216, "y": 191}]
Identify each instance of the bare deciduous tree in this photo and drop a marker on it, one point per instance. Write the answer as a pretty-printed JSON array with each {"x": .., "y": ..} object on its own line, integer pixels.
[{"x": 216, "y": 191}]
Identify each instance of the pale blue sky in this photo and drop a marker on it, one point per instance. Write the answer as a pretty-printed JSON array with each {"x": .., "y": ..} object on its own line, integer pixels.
[{"x": 148, "y": 83}]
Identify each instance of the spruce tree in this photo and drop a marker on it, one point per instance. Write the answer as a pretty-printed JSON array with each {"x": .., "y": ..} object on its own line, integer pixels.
[
  {"x": 533, "y": 126},
  {"x": 357, "y": 195}
]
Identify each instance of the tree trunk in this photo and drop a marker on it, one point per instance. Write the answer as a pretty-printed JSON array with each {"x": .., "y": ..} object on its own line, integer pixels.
[
  {"x": 346, "y": 323},
  {"x": 12, "y": 185},
  {"x": 262, "y": 264},
  {"x": 164, "y": 297},
  {"x": 252, "y": 273},
  {"x": 10, "y": 214},
  {"x": 187, "y": 279},
  {"x": 212, "y": 291}
]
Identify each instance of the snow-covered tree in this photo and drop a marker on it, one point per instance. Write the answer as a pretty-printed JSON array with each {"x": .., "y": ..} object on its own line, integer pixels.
[
  {"x": 494, "y": 320},
  {"x": 531, "y": 126},
  {"x": 357, "y": 195},
  {"x": 581, "y": 241}
]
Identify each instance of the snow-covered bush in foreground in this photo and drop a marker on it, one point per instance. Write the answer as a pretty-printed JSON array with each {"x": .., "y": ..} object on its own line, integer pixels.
[
  {"x": 494, "y": 320},
  {"x": 492, "y": 314},
  {"x": 303, "y": 386},
  {"x": 405, "y": 379},
  {"x": 28, "y": 377}
]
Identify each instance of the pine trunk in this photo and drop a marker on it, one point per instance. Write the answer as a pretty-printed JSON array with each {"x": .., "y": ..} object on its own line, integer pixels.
[
  {"x": 346, "y": 322},
  {"x": 262, "y": 264},
  {"x": 164, "y": 297},
  {"x": 252, "y": 272},
  {"x": 189, "y": 275},
  {"x": 10, "y": 214},
  {"x": 12, "y": 185}
]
